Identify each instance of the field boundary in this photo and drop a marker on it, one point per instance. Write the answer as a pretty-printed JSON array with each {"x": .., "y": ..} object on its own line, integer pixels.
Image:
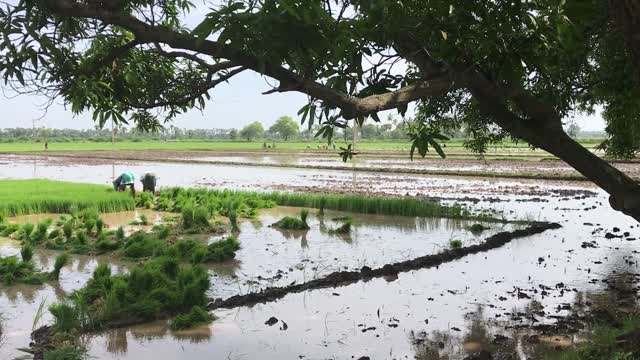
[{"x": 344, "y": 278}]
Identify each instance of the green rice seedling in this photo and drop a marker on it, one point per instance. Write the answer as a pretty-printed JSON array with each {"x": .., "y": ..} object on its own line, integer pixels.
[
  {"x": 21, "y": 197},
  {"x": 65, "y": 353},
  {"x": 25, "y": 231},
  {"x": 9, "y": 229},
  {"x": 223, "y": 249},
  {"x": 120, "y": 234},
  {"x": 81, "y": 237},
  {"x": 65, "y": 316},
  {"x": 455, "y": 244},
  {"x": 233, "y": 220},
  {"x": 477, "y": 229},
  {"x": 195, "y": 218},
  {"x": 67, "y": 228},
  {"x": 199, "y": 255},
  {"x": 89, "y": 225},
  {"x": 60, "y": 262},
  {"x": 144, "y": 200},
  {"x": 304, "y": 213},
  {"x": 13, "y": 270},
  {"x": 196, "y": 317},
  {"x": 162, "y": 231},
  {"x": 141, "y": 245},
  {"x": 26, "y": 252},
  {"x": 290, "y": 223},
  {"x": 55, "y": 233},
  {"x": 104, "y": 244},
  {"x": 343, "y": 229},
  {"x": 99, "y": 226},
  {"x": 144, "y": 220},
  {"x": 40, "y": 232}
]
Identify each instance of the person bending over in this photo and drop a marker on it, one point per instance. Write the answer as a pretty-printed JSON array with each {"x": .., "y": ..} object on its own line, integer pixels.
[{"x": 125, "y": 179}]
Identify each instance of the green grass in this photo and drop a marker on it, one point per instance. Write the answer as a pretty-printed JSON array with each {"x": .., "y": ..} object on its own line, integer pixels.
[
  {"x": 21, "y": 197},
  {"x": 455, "y": 244}
]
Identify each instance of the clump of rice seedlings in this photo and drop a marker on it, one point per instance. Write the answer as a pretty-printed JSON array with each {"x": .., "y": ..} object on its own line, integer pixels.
[
  {"x": 291, "y": 223},
  {"x": 223, "y": 249},
  {"x": 162, "y": 231},
  {"x": 71, "y": 352},
  {"x": 342, "y": 229},
  {"x": 160, "y": 287},
  {"x": 104, "y": 244},
  {"x": 60, "y": 262},
  {"x": 9, "y": 229},
  {"x": 144, "y": 200},
  {"x": 120, "y": 234},
  {"x": 55, "y": 233},
  {"x": 141, "y": 245},
  {"x": 455, "y": 244},
  {"x": 233, "y": 219},
  {"x": 477, "y": 229},
  {"x": 22, "y": 197},
  {"x": 40, "y": 232},
  {"x": 144, "y": 220},
  {"x": 12, "y": 270},
  {"x": 67, "y": 228},
  {"x": 195, "y": 218},
  {"x": 321, "y": 205},
  {"x": 65, "y": 316},
  {"x": 99, "y": 226},
  {"x": 26, "y": 252},
  {"x": 196, "y": 317},
  {"x": 25, "y": 231}
]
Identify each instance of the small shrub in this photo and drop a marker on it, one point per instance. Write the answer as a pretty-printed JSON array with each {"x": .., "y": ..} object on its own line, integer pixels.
[
  {"x": 26, "y": 252},
  {"x": 455, "y": 244},
  {"x": 196, "y": 317}
]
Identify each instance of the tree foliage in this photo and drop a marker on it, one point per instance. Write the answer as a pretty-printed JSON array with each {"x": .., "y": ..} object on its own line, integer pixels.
[
  {"x": 286, "y": 127},
  {"x": 252, "y": 131}
]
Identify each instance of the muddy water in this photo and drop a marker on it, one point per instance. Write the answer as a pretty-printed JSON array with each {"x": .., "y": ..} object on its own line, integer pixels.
[{"x": 477, "y": 295}]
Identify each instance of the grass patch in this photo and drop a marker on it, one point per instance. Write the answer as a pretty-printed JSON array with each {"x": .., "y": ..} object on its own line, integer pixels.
[
  {"x": 291, "y": 223},
  {"x": 22, "y": 197}
]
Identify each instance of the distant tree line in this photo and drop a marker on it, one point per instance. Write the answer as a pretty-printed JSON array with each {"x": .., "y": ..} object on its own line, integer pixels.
[{"x": 285, "y": 128}]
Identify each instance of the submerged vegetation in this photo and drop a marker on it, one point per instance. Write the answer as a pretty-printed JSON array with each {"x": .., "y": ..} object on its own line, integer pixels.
[
  {"x": 291, "y": 223},
  {"x": 21, "y": 197}
]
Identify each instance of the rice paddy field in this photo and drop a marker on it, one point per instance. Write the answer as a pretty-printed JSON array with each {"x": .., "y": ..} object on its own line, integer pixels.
[{"x": 237, "y": 257}]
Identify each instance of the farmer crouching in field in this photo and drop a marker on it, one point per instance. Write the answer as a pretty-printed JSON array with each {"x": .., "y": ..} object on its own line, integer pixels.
[
  {"x": 149, "y": 182},
  {"x": 124, "y": 180}
]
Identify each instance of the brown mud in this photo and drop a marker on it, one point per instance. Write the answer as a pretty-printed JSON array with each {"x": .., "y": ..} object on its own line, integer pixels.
[{"x": 343, "y": 278}]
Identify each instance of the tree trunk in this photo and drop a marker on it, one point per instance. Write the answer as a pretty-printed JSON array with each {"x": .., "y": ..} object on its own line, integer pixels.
[{"x": 544, "y": 130}]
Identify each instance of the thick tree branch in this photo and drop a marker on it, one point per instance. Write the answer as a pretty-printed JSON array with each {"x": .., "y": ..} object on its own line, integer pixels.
[{"x": 289, "y": 80}]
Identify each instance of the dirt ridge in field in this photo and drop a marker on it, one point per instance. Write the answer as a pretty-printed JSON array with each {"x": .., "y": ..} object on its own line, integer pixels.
[{"x": 344, "y": 278}]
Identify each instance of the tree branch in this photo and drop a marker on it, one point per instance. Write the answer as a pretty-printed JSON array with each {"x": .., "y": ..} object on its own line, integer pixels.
[{"x": 289, "y": 81}]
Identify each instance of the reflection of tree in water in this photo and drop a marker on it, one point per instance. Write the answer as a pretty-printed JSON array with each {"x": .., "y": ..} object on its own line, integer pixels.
[
  {"x": 117, "y": 341},
  {"x": 295, "y": 235},
  {"x": 21, "y": 292},
  {"x": 257, "y": 224}
]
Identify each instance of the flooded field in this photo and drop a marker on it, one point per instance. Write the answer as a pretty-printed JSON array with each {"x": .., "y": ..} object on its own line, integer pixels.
[{"x": 487, "y": 301}]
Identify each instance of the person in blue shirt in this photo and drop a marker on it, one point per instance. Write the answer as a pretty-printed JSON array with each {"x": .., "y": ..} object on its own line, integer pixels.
[{"x": 125, "y": 179}]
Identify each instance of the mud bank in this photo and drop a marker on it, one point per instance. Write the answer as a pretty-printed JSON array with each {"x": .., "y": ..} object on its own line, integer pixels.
[{"x": 343, "y": 278}]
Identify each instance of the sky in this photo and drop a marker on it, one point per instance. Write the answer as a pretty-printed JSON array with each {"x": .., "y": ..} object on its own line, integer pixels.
[{"x": 232, "y": 105}]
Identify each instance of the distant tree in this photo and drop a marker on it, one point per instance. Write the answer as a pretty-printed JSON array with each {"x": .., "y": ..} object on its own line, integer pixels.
[
  {"x": 233, "y": 134},
  {"x": 286, "y": 127},
  {"x": 252, "y": 131},
  {"x": 573, "y": 130}
]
